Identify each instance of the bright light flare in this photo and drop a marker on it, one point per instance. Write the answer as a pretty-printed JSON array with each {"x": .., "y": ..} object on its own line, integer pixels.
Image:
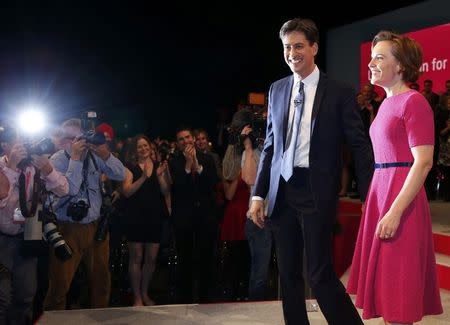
[{"x": 31, "y": 121}]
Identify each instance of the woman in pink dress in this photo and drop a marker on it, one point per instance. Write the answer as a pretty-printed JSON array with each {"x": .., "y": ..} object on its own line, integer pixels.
[{"x": 394, "y": 270}]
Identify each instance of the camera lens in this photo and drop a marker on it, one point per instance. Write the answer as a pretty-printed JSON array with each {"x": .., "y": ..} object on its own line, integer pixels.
[{"x": 54, "y": 238}]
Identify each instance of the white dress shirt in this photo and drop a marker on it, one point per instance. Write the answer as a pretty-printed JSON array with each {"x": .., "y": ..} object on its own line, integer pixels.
[
  {"x": 55, "y": 182},
  {"x": 301, "y": 154}
]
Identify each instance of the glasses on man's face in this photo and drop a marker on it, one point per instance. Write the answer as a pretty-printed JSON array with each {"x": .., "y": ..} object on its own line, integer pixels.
[{"x": 69, "y": 138}]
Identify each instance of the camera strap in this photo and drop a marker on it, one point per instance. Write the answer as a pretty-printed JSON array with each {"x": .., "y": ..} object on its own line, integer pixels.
[
  {"x": 100, "y": 185},
  {"x": 23, "y": 193},
  {"x": 84, "y": 182}
]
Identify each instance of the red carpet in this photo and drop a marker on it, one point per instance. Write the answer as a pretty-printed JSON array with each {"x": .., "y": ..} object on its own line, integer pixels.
[{"x": 349, "y": 216}]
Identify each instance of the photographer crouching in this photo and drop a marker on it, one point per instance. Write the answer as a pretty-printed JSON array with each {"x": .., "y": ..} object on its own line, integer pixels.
[
  {"x": 83, "y": 160},
  {"x": 21, "y": 174}
]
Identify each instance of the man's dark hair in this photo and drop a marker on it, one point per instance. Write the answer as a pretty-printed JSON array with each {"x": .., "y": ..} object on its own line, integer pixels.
[
  {"x": 198, "y": 131},
  {"x": 305, "y": 26},
  {"x": 184, "y": 128}
]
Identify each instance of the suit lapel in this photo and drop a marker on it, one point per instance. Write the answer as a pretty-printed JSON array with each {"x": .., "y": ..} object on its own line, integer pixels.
[
  {"x": 320, "y": 92},
  {"x": 286, "y": 104}
]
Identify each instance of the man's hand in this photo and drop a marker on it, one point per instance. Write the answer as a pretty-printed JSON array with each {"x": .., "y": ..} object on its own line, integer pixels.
[
  {"x": 100, "y": 150},
  {"x": 257, "y": 212},
  {"x": 18, "y": 153},
  {"x": 42, "y": 163},
  {"x": 191, "y": 157},
  {"x": 78, "y": 148}
]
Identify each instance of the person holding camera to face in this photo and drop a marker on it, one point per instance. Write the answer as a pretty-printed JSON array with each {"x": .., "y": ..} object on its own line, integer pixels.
[
  {"x": 259, "y": 239},
  {"x": 21, "y": 175},
  {"x": 83, "y": 160}
]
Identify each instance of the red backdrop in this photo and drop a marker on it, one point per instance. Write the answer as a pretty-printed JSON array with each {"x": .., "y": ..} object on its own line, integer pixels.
[{"x": 436, "y": 56}]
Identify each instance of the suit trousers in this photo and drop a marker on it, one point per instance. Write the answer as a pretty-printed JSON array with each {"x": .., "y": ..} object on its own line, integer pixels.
[
  {"x": 300, "y": 225},
  {"x": 18, "y": 286},
  {"x": 196, "y": 242},
  {"x": 85, "y": 249}
]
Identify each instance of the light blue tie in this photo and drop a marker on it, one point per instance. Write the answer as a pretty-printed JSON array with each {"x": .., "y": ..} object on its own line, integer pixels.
[{"x": 287, "y": 164}]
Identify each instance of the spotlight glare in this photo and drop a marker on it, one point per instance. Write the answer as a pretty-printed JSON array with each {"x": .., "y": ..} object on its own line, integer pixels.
[{"x": 31, "y": 121}]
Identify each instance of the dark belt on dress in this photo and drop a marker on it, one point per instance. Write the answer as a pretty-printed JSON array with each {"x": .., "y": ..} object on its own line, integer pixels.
[{"x": 393, "y": 164}]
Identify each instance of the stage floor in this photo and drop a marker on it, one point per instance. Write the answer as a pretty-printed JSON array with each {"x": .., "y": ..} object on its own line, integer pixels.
[{"x": 244, "y": 313}]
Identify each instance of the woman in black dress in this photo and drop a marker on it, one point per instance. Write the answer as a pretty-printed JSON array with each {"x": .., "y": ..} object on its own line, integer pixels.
[{"x": 144, "y": 187}]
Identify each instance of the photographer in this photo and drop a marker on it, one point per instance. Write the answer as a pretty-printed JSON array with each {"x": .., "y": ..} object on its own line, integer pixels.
[
  {"x": 16, "y": 167},
  {"x": 259, "y": 239},
  {"x": 82, "y": 162}
]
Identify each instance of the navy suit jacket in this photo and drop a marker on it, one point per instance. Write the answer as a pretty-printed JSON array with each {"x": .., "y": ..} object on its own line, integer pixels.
[
  {"x": 335, "y": 120},
  {"x": 193, "y": 196}
]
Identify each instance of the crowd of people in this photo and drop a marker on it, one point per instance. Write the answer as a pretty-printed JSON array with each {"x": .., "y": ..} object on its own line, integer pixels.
[
  {"x": 276, "y": 191},
  {"x": 148, "y": 183}
]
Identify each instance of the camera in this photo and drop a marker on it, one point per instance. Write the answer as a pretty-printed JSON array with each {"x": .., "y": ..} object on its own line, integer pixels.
[
  {"x": 77, "y": 210},
  {"x": 93, "y": 137},
  {"x": 255, "y": 118},
  {"x": 88, "y": 120},
  {"x": 44, "y": 146},
  {"x": 258, "y": 124},
  {"x": 165, "y": 151},
  {"x": 53, "y": 236}
]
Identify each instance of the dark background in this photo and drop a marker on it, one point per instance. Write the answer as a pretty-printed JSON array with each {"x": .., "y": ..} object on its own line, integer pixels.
[{"x": 151, "y": 69}]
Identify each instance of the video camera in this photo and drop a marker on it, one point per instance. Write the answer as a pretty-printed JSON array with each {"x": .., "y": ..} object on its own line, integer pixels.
[{"x": 255, "y": 118}]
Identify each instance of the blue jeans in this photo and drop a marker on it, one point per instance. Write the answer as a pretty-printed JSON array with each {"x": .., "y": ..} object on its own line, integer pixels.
[
  {"x": 260, "y": 242},
  {"x": 16, "y": 292}
]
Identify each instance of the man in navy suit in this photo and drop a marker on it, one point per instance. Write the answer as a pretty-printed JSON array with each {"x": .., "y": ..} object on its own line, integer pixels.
[{"x": 302, "y": 182}]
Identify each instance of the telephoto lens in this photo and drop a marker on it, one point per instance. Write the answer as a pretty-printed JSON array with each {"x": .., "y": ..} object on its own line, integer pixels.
[{"x": 53, "y": 237}]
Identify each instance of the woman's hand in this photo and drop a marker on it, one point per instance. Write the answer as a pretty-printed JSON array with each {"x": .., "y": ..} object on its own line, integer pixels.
[
  {"x": 388, "y": 225},
  {"x": 246, "y": 130},
  {"x": 161, "y": 168}
]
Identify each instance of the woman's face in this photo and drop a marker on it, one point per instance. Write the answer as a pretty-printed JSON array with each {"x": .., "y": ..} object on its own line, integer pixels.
[
  {"x": 384, "y": 67},
  {"x": 201, "y": 141},
  {"x": 142, "y": 149}
]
